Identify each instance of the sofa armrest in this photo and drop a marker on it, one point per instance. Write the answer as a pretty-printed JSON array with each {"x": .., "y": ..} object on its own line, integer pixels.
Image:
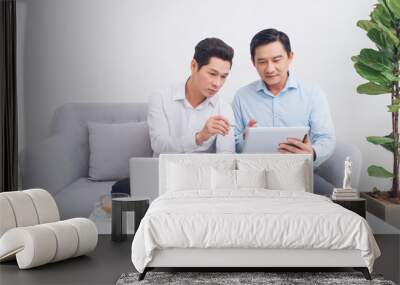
[
  {"x": 53, "y": 163},
  {"x": 144, "y": 176}
]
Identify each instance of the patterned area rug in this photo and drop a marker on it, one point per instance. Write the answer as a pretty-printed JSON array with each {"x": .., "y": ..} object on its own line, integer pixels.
[{"x": 242, "y": 278}]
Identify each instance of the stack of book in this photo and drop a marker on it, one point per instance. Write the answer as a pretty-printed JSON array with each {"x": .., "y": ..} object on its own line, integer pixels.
[{"x": 344, "y": 194}]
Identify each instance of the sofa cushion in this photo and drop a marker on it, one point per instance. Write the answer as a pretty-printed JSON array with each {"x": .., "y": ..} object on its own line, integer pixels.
[
  {"x": 80, "y": 197},
  {"x": 112, "y": 145}
]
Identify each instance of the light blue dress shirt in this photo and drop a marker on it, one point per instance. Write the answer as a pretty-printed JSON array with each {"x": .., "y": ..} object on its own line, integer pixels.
[{"x": 298, "y": 104}]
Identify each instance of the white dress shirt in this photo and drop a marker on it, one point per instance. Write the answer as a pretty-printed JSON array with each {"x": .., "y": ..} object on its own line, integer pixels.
[{"x": 173, "y": 123}]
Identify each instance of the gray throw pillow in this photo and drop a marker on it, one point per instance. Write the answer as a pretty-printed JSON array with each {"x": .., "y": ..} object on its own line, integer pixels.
[{"x": 112, "y": 145}]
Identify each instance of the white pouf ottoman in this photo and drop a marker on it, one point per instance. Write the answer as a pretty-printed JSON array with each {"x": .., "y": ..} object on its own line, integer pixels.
[{"x": 31, "y": 232}]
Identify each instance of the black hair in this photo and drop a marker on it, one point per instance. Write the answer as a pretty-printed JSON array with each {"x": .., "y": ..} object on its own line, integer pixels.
[
  {"x": 269, "y": 36},
  {"x": 212, "y": 47}
]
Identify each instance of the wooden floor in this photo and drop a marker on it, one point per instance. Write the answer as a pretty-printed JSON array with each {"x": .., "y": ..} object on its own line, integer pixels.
[{"x": 111, "y": 259}]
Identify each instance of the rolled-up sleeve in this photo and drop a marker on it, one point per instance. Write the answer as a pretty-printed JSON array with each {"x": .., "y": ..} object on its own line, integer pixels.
[
  {"x": 322, "y": 131},
  {"x": 161, "y": 139}
]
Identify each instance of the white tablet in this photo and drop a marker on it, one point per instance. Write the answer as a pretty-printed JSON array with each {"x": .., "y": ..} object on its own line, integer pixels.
[{"x": 267, "y": 139}]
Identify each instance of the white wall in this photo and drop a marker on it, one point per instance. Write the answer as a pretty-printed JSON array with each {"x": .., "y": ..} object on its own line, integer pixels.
[{"x": 121, "y": 50}]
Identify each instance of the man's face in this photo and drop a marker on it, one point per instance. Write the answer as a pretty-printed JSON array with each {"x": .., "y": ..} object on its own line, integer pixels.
[
  {"x": 272, "y": 63},
  {"x": 210, "y": 78}
]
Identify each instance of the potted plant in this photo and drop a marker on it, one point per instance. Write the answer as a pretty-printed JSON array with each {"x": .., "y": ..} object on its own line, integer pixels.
[{"x": 380, "y": 67}]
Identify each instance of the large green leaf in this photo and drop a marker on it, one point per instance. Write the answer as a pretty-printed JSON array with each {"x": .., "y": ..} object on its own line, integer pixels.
[
  {"x": 375, "y": 59},
  {"x": 366, "y": 25},
  {"x": 394, "y": 6},
  {"x": 371, "y": 74},
  {"x": 379, "y": 140},
  {"x": 390, "y": 76},
  {"x": 383, "y": 3},
  {"x": 355, "y": 58},
  {"x": 379, "y": 171},
  {"x": 380, "y": 39},
  {"x": 391, "y": 37},
  {"x": 377, "y": 56},
  {"x": 393, "y": 108},
  {"x": 381, "y": 15},
  {"x": 372, "y": 89},
  {"x": 389, "y": 146},
  {"x": 385, "y": 6}
]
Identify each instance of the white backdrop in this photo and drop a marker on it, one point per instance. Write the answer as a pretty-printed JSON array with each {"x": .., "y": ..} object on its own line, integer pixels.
[{"x": 121, "y": 50}]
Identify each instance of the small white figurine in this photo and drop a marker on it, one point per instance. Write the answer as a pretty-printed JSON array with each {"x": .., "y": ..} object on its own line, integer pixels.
[{"x": 347, "y": 174}]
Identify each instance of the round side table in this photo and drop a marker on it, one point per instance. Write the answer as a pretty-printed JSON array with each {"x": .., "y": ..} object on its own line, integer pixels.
[{"x": 136, "y": 204}]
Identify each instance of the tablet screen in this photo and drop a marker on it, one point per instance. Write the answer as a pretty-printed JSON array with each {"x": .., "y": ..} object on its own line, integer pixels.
[{"x": 267, "y": 139}]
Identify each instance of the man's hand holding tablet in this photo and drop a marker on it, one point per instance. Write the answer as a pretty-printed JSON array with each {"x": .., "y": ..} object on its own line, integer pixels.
[
  {"x": 291, "y": 145},
  {"x": 294, "y": 145}
]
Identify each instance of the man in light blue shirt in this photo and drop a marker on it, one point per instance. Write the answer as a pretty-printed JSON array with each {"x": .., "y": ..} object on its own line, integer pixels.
[{"x": 279, "y": 100}]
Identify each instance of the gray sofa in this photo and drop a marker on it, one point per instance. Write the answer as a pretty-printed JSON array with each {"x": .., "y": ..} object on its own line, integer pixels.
[{"x": 60, "y": 164}]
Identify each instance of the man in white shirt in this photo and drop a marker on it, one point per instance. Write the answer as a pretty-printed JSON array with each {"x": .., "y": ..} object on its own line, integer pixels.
[{"x": 191, "y": 117}]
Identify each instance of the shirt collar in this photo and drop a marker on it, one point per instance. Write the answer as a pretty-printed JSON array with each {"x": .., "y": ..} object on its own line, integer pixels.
[
  {"x": 180, "y": 94},
  {"x": 213, "y": 100},
  {"x": 291, "y": 83}
]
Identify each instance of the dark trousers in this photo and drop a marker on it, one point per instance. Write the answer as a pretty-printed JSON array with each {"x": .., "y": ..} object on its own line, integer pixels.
[{"x": 122, "y": 186}]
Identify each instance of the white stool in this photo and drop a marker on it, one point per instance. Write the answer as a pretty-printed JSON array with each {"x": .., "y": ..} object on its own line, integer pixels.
[{"x": 31, "y": 230}]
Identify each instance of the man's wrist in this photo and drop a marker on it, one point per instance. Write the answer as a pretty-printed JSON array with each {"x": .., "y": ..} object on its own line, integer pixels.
[{"x": 199, "y": 138}]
